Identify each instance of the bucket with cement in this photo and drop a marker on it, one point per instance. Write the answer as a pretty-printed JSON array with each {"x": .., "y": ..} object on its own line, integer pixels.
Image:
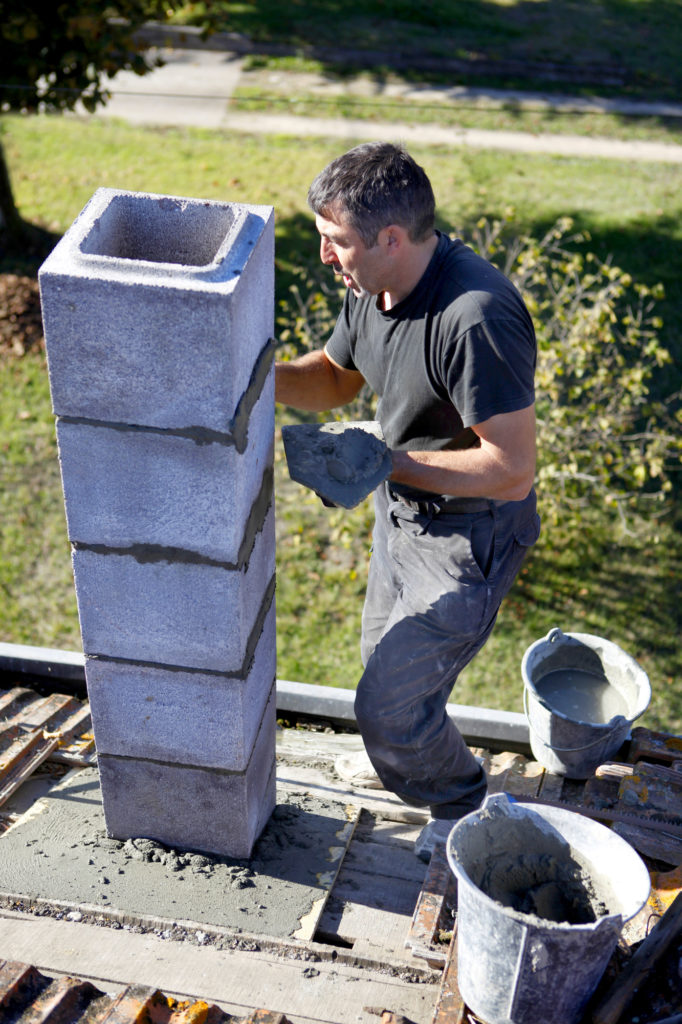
[
  {"x": 542, "y": 896},
  {"x": 581, "y": 695}
]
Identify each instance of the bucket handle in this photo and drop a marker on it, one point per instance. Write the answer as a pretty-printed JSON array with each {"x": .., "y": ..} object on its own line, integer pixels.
[{"x": 569, "y": 750}]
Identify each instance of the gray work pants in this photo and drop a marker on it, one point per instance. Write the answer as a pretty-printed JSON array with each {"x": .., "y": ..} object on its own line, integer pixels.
[{"x": 436, "y": 581}]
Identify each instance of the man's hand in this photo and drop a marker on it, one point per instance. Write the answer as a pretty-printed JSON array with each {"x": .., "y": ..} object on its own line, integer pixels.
[
  {"x": 502, "y": 466},
  {"x": 315, "y": 382}
]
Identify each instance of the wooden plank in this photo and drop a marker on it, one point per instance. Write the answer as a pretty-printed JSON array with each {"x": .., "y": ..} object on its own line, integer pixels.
[
  {"x": 49, "y": 711},
  {"x": 27, "y": 715},
  {"x": 237, "y": 980},
  {"x": 309, "y": 779},
  {"x": 450, "y": 1008},
  {"x": 397, "y": 895},
  {"x": 16, "y": 978},
  {"x": 551, "y": 786},
  {"x": 380, "y": 869},
  {"x": 76, "y": 743},
  {"x": 128, "y": 1007},
  {"x": 437, "y": 895},
  {"x": 611, "y": 1006},
  {"x": 388, "y": 1016},
  {"x": 661, "y": 773},
  {"x": 304, "y": 744},
  {"x": 601, "y": 791},
  {"x": 385, "y": 860},
  {"x": 62, "y": 1000},
  {"x": 646, "y": 793},
  {"x": 659, "y": 746},
  {"x": 369, "y": 931},
  {"x": 385, "y": 832},
  {"x": 76, "y": 724},
  {"x": 653, "y": 819},
  {"x": 500, "y": 770},
  {"x": 37, "y": 998},
  {"x": 265, "y": 1017},
  {"x": 524, "y": 778},
  {"x": 22, "y": 760},
  {"x": 9, "y": 699},
  {"x": 309, "y": 924},
  {"x": 614, "y": 770},
  {"x": 665, "y": 888},
  {"x": 651, "y": 843}
]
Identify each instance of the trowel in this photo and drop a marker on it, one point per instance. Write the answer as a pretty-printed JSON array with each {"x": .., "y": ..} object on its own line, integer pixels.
[{"x": 342, "y": 462}]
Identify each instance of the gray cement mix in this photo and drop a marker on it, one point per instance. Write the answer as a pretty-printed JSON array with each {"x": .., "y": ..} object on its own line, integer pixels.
[
  {"x": 537, "y": 872},
  {"x": 59, "y": 851},
  {"x": 545, "y": 887},
  {"x": 342, "y": 462}
]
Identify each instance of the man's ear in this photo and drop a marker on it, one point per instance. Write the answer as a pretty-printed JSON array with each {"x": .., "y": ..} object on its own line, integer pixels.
[{"x": 393, "y": 237}]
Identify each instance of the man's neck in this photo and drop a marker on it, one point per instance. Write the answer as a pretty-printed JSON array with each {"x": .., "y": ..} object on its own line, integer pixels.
[{"x": 412, "y": 272}]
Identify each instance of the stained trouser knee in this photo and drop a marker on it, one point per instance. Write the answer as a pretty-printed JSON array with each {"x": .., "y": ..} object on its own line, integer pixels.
[{"x": 387, "y": 740}]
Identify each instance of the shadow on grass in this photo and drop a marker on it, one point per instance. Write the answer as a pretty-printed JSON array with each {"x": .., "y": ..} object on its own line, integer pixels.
[
  {"x": 620, "y": 45},
  {"x": 25, "y": 253}
]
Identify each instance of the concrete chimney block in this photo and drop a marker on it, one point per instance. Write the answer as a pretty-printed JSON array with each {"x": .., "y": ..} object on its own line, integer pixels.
[
  {"x": 156, "y": 310},
  {"x": 126, "y": 489},
  {"x": 189, "y": 807},
  {"x": 136, "y": 708},
  {"x": 184, "y": 612}
]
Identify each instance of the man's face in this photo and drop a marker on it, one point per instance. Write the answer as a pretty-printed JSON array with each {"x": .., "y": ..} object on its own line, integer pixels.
[{"x": 342, "y": 249}]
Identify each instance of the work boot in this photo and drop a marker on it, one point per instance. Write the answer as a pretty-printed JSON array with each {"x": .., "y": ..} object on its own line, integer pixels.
[
  {"x": 436, "y": 831},
  {"x": 357, "y": 769}
]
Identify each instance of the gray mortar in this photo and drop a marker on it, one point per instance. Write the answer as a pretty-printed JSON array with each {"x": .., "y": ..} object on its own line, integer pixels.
[
  {"x": 543, "y": 886},
  {"x": 60, "y": 851},
  {"x": 535, "y": 871},
  {"x": 342, "y": 462}
]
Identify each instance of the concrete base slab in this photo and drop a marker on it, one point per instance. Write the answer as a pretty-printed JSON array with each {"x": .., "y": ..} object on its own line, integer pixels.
[{"x": 59, "y": 852}]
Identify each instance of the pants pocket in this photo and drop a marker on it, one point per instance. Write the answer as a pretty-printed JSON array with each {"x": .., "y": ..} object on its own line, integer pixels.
[{"x": 483, "y": 544}]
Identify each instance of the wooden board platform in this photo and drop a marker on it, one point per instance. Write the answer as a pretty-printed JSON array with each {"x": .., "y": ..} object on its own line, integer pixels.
[{"x": 388, "y": 923}]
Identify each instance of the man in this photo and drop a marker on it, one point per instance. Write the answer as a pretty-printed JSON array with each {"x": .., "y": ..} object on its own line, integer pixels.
[{"x": 445, "y": 341}]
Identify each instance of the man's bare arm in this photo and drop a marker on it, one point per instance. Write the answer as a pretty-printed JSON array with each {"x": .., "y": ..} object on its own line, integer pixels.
[
  {"x": 502, "y": 467},
  {"x": 315, "y": 382}
]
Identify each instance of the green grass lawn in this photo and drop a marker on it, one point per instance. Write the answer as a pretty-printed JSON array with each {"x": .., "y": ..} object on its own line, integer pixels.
[
  {"x": 631, "y": 46},
  {"x": 623, "y": 589}
]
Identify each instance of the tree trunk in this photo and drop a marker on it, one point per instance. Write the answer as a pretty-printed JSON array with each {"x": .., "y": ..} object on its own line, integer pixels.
[
  {"x": 23, "y": 242},
  {"x": 12, "y": 227}
]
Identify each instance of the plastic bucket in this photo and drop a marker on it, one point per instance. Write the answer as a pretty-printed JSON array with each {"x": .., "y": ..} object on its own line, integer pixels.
[
  {"x": 581, "y": 695},
  {"x": 514, "y": 966}
]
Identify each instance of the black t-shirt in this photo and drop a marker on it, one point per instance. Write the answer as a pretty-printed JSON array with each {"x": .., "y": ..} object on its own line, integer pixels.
[{"x": 457, "y": 350}]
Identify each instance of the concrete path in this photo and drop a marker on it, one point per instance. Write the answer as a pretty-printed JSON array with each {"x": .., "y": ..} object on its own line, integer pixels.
[{"x": 194, "y": 87}]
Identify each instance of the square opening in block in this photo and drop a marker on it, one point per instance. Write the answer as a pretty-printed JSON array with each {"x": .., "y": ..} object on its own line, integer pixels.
[{"x": 159, "y": 229}]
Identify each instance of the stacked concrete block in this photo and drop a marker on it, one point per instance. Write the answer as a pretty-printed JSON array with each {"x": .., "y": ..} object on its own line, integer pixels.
[{"x": 158, "y": 317}]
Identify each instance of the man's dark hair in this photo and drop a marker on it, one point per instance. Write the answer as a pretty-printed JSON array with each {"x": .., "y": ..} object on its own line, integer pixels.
[{"x": 376, "y": 184}]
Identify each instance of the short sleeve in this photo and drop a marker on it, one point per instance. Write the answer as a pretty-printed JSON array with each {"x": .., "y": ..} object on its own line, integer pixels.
[
  {"x": 341, "y": 344},
  {"x": 490, "y": 369}
]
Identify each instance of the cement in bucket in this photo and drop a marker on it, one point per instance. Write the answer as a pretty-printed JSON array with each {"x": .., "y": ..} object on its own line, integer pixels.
[
  {"x": 581, "y": 695},
  {"x": 542, "y": 896}
]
